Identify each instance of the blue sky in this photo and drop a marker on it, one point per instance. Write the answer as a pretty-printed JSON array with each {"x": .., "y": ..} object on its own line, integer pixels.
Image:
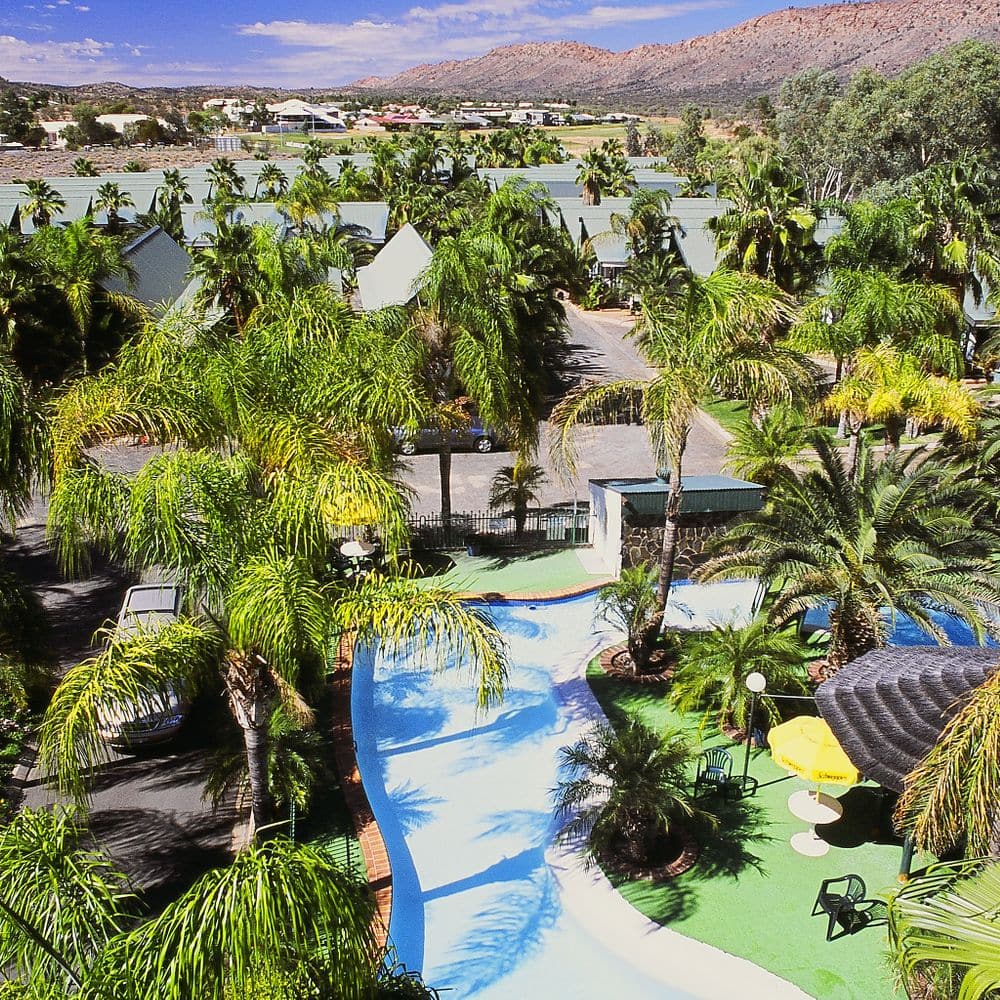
[{"x": 173, "y": 42}]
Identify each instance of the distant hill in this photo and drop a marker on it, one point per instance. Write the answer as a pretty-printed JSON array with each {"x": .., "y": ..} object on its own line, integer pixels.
[{"x": 724, "y": 68}]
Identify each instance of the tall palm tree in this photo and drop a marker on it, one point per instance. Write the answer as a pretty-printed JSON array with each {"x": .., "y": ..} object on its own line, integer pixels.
[
  {"x": 111, "y": 199},
  {"x": 629, "y": 604},
  {"x": 18, "y": 280},
  {"x": 710, "y": 677},
  {"x": 514, "y": 486},
  {"x": 647, "y": 225},
  {"x": 311, "y": 196},
  {"x": 704, "y": 338},
  {"x": 950, "y": 796},
  {"x": 281, "y": 912},
  {"x": 770, "y": 227},
  {"x": 903, "y": 536},
  {"x": 592, "y": 175},
  {"x": 43, "y": 202},
  {"x": 272, "y": 181},
  {"x": 948, "y": 917},
  {"x": 77, "y": 259},
  {"x": 171, "y": 194},
  {"x": 627, "y": 789},
  {"x": 266, "y": 471}
]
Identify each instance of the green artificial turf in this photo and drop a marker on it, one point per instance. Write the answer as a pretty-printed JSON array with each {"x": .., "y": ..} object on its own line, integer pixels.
[
  {"x": 749, "y": 893},
  {"x": 516, "y": 573}
]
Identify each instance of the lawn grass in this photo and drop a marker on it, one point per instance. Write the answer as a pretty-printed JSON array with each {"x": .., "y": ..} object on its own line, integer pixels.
[
  {"x": 508, "y": 573},
  {"x": 732, "y": 414},
  {"x": 750, "y": 894}
]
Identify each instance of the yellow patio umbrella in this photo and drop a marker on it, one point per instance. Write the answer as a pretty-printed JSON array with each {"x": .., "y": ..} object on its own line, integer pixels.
[{"x": 807, "y": 746}]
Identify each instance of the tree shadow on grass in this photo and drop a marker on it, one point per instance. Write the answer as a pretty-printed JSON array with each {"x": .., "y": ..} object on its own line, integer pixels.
[
  {"x": 728, "y": 850},
  {"x": 663, "y": 902}
]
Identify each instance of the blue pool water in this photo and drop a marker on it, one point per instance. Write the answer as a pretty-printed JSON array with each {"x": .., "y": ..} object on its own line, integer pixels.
[
  {"x": 464, "y": 803},
  {"x": 907, "y": 633},
  {"x": 464, "y": 806}
]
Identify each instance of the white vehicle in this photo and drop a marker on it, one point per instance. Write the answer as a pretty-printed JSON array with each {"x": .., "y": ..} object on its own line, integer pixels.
[{"x": 155, "y": 717}]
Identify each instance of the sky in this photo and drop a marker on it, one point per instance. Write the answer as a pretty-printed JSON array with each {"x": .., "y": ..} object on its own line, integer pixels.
[{"x": 313, "y": 44}]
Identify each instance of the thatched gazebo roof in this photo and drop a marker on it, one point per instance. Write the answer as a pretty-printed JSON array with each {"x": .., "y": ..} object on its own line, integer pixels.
[{"x": 888, "y": 707}]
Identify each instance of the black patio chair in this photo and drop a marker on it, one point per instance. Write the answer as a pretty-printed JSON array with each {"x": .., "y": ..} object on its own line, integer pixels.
[
  {"x": 715, "y": 772},
  {"x": 843, "y": 901}
]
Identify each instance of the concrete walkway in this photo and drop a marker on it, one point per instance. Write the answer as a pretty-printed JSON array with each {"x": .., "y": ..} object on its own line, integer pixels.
[{"x": 698, "y": 969}]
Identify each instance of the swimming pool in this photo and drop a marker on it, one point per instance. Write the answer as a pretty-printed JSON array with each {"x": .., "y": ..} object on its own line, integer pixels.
[{"x": 483, "y": 904}]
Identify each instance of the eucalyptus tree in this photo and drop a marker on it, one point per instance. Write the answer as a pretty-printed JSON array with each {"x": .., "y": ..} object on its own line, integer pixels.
[
  {"x": 111, "y": 199},
  {"x": 268, "y": 466},
  {"x": 42, "y": 203},
  {"x": 77, "y": 260},
  {"x": 708, "y": 336},
  {"x": 905, "y": 535}
]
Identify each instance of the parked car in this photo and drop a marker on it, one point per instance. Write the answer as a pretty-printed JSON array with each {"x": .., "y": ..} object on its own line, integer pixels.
[
  {"x": 474, "y": 437},
  {"x": 158, "y": 716}
]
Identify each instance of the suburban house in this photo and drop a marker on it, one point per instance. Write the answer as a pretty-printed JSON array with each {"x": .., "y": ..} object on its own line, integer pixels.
[{"x": 161, "y": 269}]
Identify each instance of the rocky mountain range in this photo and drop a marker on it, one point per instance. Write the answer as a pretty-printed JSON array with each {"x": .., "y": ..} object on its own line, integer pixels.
[{"x": 723, "y": 69}]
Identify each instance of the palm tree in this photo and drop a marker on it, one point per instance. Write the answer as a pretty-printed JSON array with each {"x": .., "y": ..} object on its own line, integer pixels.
[
  {"x": 82, "y": 167},
  {"x": 111, "y": 199},
  {"x": 629, "y": 605},
  {"x": 315, "y": 150},
  {"x": 78, "y": 260},
  {"x": 888, "y": 386},
  {"x": 627, "y": 791},
  {"x": 266, "y": 470},
  {"x": 591, "y": 175},
  {"x": 763, "y": 451},
  {"x": 226, "y": 184},
  {"x": 273, "y": 181},
  {"x": 950, "y": 796},
  {"x": 770, "y": 227},
  {"x": 903, "y": 536},
  {"x": 171, "y": 194},
  {"x": 43, "y": 202},
  {"x": 713, "y": 668},
  {"x": 514, "y": 486},
  {"x": 18, "y": 280},
  {"x": 707, "y": 337},
  {"x": 647, "y": 226},
  {"x": 311, "y": 196},
  {"x": 948, "y": 918},
  {"x": 281, "y": 912}
]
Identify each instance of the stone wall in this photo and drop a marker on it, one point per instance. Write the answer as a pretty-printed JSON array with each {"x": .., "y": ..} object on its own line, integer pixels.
[{"x": 643, "y": 540}]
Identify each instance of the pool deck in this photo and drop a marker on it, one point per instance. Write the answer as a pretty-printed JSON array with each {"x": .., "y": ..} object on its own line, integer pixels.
[{"x": 700, "y": 969}]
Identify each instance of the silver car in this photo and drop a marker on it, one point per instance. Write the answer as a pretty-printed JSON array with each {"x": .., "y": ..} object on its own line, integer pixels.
[
  {"x": 158, "y": 716},
  {"x": 474, "y": 437}
]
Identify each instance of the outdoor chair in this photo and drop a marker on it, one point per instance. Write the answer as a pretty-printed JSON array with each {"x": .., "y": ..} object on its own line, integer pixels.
[
  {"x": 715, "y": 772},
  {"x": 843, "y": 901}
]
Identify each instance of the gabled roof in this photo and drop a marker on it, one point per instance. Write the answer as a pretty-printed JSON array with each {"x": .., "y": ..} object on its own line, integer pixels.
[
  {"x": 888, "y": 708},
  {"x": 393, "y": 277},
  {"x": 695, "y": 241},
  {"x": 161, "y": 268}
]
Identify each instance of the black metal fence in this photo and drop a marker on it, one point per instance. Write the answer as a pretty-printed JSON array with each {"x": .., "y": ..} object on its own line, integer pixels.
[{"x": 481, "y": 531}]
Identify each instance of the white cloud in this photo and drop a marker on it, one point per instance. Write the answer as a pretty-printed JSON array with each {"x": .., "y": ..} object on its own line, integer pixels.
[
  {"x": 58, "y": 62},
  {"x": 337, "y": 52},
  {"x": 81, "y": 8}
]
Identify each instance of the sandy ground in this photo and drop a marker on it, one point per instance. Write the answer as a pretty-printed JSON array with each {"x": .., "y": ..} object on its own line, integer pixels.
[{"x": 15, "y": 166}]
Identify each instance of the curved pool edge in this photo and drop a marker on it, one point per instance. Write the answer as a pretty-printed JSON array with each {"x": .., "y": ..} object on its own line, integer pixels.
[
  {"x": 587, "y": 893},
  {"x": 369, "y": 835},
  {"x": 366, "y": 827}
]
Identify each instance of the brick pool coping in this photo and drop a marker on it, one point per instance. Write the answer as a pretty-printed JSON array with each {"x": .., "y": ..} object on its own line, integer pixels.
[{"x": 373, "y": 848}]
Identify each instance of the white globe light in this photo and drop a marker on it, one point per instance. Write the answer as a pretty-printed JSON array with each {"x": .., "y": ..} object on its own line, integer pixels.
[{"x": 756, "y": 682}]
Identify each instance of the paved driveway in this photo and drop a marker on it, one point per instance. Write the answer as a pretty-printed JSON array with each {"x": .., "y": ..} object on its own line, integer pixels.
[{"x": 599, "y": 350}]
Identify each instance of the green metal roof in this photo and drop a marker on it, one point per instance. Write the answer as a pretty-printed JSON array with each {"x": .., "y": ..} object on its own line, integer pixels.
[{"x": 700, "y": 494}]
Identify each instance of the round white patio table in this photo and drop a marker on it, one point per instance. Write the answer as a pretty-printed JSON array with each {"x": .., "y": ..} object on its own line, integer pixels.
[
  {"x": 813, "y": 806},
  {"x": 357, "y": 549}
]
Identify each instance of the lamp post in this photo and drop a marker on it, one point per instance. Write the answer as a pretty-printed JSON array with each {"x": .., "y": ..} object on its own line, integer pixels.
[{"x": 756, "y": 683}]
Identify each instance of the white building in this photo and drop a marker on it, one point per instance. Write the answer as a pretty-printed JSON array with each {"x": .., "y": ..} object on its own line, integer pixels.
[{"x": 294, "y": 115}]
